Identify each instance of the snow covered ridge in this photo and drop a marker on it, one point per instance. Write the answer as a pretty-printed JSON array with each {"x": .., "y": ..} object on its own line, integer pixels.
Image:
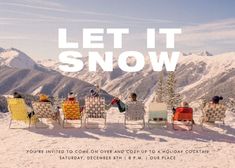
[
  {"x": 194, "y": 71},
  {"x": 15, "y": 58},
  {"x": 202, "y": 53},
  {"x": 50, "y": 63},
  {"x": 196, "y": 74}
]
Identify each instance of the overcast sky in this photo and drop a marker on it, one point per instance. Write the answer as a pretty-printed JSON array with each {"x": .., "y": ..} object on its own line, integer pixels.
[{"x": 32, "y": 25}]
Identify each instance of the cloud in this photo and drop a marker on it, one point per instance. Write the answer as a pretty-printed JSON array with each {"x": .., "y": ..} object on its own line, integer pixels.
[
  {"x": 4, "y": 22},
  {"x": 223, "y": 30},
  {"x": 43, "y": 3},
  {"x": 57, "y": 7},
  {"x": 33, "y": 6},
  {"x": 216, "y": 36},
  {"x": 16, "y": 20},
  {"x": 13, "y": 37}
]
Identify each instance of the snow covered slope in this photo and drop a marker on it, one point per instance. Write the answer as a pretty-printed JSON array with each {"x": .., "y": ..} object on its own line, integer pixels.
[
  {"x": 203, "y": 146},
  {"x": 195, "y": 73},
  {"x": 16, "y": 58},
  {"x": 18, "y": 72}
]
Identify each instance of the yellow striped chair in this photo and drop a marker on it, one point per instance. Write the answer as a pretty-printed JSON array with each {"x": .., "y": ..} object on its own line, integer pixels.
[{"x": 18, "y": 111}]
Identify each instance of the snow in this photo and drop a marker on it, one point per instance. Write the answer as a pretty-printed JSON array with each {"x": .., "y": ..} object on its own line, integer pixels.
[
  {"x": 48, "y": 63},
  {"x": 15, "y": 58},
  {"x": 38, "y": 90},
  {"x": 216, "y": 65},
  {"x": 219, "y": 142}
]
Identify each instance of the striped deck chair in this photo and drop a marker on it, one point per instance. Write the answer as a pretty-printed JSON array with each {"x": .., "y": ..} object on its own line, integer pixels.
[
  {"x": 45, "y": 110},
  {"x": 71, "y": 110},
  {"x": 183, "y": 116},
  {"x": 95, "y": 109},
  {"x": 213, "y": 113},
  {"x": 18, "y": 111},
  {"x": 135, "y": 111},
  {"x": 157, "y": 113}
]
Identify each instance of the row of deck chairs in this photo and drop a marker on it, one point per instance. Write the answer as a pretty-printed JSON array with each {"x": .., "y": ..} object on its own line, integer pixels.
[
  {"x": 95, "y": 109},
  {"x": 184, "y": 115},
  {"x": 158, "y": 115}
]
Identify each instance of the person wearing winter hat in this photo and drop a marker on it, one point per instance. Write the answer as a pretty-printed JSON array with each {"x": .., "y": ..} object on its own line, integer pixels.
[
  {"x": 216, "y": 99},
  {"x": 182, "y": 104},
  {"x": 121, "y": 106},
  {"x": 43, "y": 98},
  {"x": 71, "y": 96},
  {"x": 17, "y": 95},
  {"x": 93, "y": 93}
]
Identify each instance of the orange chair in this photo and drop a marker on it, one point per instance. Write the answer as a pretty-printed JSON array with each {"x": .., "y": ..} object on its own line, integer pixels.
[
  {"x": 71, "y": 110},
  {"x": 183, "y": 116}
]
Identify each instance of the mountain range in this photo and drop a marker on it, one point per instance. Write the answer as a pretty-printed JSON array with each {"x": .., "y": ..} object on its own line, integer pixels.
[
  {"x": 18, "y": 72},
  {"x": 197, "y": 75}
]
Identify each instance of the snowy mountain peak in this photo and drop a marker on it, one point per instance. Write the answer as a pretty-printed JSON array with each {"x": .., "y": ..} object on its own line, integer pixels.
[
  {"x": 202, "y": 53},
  {"x": 15, "y": 58},
  {"x": 2, "y": 49},
  {"x": 205, "y": 53},
  {"x": 50, "y": 63}
]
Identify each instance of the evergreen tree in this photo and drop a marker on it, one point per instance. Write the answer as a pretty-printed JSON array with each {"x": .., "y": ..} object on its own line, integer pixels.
[
  {"x": 177, "y": 99},
  {"x": 231, "y": 105},
  {"x": 98, "y": 86},
  {"x": 160, "y": 89},
  {"x": 173, "y": 99}
]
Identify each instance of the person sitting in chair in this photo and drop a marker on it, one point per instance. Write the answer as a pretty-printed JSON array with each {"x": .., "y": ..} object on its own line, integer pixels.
[
  {"x": 71, "y": 97},
  {"x": 121, "y": 106},
  {"x": 214, "y": 105},
  {"x": 94, "y": 93},
  {"x": 182, "y": 105},
  {"x": 43, "y": 98},
  {"x": 17, "y": 95},
  {"x": 216, "y": 99},
  {"x": 30, "y": 111}
]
